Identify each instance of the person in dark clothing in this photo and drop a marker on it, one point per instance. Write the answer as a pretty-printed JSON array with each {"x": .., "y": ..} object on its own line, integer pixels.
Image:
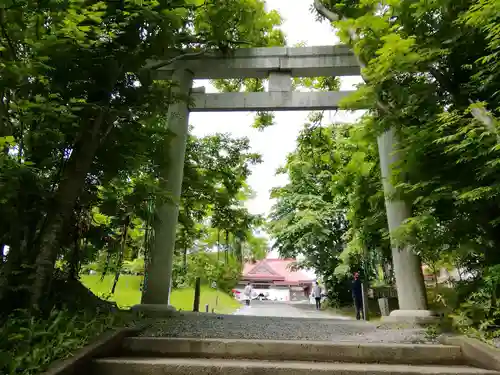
[
  {"x": 357, "y": 295},
  {"x": 317, "y": 295}
]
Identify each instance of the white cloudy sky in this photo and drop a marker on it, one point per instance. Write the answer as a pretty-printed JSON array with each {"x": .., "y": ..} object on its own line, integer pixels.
[{"x": 275, "y": 142}]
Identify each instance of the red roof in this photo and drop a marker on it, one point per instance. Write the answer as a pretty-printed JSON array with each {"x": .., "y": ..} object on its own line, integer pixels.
[{"x": 275, "y": 270}]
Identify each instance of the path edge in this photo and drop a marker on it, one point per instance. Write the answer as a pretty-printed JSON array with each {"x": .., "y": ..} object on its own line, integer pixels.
[
  {"x": 475, "y": 351},
  {"x": 106, "y": 344}
]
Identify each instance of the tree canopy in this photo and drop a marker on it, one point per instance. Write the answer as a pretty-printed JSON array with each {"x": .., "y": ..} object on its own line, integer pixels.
[
  {"x": 430, "y": 71},
  {"x": 83, "y": 136},
  {"x": 83, "y": 133}
]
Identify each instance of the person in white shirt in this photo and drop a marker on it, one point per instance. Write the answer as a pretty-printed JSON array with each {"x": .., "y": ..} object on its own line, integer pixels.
[
  {"x": 247, "y": 294},
  {"x": 317, "y": 295}
]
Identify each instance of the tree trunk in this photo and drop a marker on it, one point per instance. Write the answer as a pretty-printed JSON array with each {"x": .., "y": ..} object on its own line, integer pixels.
[
  {"x": 147, "y": 242},
  {"x": 74, "y": 261},
  {"x": 72, "y": 182},
  {"x": 459, "y": 272},
  {"x": 218, "y": 245},
  {"x": 226, "y": 254},
  {"x": 147, "y": 235},
  {"x": 185, "y": 259},
  {"x": 122, "y": 252},
  {"x": 197, "y": 292},
  {"x": 238, "y": 249},
  {"x": 106, "y": 265}
]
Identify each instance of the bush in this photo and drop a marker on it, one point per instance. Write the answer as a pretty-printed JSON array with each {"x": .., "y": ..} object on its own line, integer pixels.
[
  {"x": 339, "y": 291},
  {"x": 480, "y": 311},
  {"x": 28, "y": 345},
  {"x": 443, "y": 299}
]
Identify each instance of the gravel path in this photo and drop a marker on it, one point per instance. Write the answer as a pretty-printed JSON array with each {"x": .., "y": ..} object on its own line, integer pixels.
[
  {"x": 311, "y": 328},
  {"x": 286, "y": 310}
]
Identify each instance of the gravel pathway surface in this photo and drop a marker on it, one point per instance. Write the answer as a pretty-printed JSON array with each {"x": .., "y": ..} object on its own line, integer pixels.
[
  {"x": 286, "y": 310},
  {"x": 286, "y": 324}
]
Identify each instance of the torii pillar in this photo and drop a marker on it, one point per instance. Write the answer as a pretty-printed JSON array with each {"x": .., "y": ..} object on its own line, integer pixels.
[
  {"x": 158, "y": 279},
  {"x": 412, "y": 297}
]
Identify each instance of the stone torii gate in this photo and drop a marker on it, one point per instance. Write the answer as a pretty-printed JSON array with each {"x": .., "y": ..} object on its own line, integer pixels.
[{"x": 279, "y": 65}]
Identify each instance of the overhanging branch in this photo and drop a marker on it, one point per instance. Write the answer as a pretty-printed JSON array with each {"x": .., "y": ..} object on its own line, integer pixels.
[
  {"x": 161, "y": 64},
  {"x": 322, "y": 10},
  {"x": 481, "y": 114},
  {"x": 334, "y": 17},
  {"x": 226, "y": 51}
]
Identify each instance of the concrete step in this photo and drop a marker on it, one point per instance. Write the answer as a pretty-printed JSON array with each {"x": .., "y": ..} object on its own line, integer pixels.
[
  {"x": 190, "y": 366},
  {"x": 418, "y": 354}
]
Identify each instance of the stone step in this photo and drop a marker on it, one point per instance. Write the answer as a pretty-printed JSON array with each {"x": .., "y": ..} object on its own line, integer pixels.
[
  {"x": 190, "y": 366},
  {"x": 293, "y": 350}
]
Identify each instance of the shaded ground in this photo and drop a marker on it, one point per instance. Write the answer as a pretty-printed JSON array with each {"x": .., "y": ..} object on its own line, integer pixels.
[{"x": 279, "y": 321}]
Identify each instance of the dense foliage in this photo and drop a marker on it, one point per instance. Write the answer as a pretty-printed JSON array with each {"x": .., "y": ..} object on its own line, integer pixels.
[
  {"x": 83, "y": 138},
  {"x": 83, "y": 135},
  {"x": 82, "y": 141},
  {"x": 431, "y": 73},
  {"x": 332, "y": 210},
  {"x": 28, "y": 345}
]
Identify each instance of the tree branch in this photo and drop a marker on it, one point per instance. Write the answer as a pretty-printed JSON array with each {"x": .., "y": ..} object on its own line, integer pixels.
[
  {"x": 482, "y": 114},
  {"x": 353, "y": 36},
  {"x": 323, "y": 11},
  {"x": 161, "y": 64}
]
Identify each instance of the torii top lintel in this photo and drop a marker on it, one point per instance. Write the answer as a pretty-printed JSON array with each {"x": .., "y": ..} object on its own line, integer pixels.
[{"x": 316, "y": 61}]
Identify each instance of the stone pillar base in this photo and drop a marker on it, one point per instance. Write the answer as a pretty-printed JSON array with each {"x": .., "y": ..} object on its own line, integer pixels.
[
  {"x": 154, "y": 311},
  {"x": 411, "y": 317}
]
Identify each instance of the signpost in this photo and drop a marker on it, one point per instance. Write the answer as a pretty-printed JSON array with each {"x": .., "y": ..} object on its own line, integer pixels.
[{"x": 365, "y": 301}]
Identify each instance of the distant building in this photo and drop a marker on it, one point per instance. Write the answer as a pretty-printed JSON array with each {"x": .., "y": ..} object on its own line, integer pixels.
[
  {"x": 445, "y": 276},
  {"x": 273, "y": 279}
]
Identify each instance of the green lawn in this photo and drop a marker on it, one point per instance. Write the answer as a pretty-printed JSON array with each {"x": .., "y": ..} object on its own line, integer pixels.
[{"x": 128, "y": 294}]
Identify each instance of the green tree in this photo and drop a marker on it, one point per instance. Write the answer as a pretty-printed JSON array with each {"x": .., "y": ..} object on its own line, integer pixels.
[
  {"x": 330, "y": 211},
  {"x": 79, "y": 110},
  {"x": 430, "y": 72},
  {"x": 423, "y": 67},
  {"x": 214, "y": 187}
]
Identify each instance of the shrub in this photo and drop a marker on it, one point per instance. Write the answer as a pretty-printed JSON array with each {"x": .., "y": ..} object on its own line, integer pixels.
[
  {"x": 28, "y": 345},
  {"x": 339, "y": 290},
  {"x": 481, "y": 309}
]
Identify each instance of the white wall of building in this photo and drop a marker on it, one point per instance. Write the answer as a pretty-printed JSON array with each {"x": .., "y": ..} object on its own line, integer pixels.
[
  {"x": 275, "y": 294},
  {"x": 279, "y": 294}
]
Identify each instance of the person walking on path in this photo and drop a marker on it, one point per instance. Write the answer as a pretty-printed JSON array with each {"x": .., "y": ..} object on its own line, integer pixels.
[
  {"x": 247, "y": 294},
  {"x": 357, "y": 295},
  {"x": 317, "y": 295}
]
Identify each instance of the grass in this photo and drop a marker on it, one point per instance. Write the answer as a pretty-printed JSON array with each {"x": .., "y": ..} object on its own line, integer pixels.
[
  {"x": 128, "y": 294},
  {"x": 182, "y": 299},
  {"x": 127, "y": 291},
  {"x": 350, "y": 311}
]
